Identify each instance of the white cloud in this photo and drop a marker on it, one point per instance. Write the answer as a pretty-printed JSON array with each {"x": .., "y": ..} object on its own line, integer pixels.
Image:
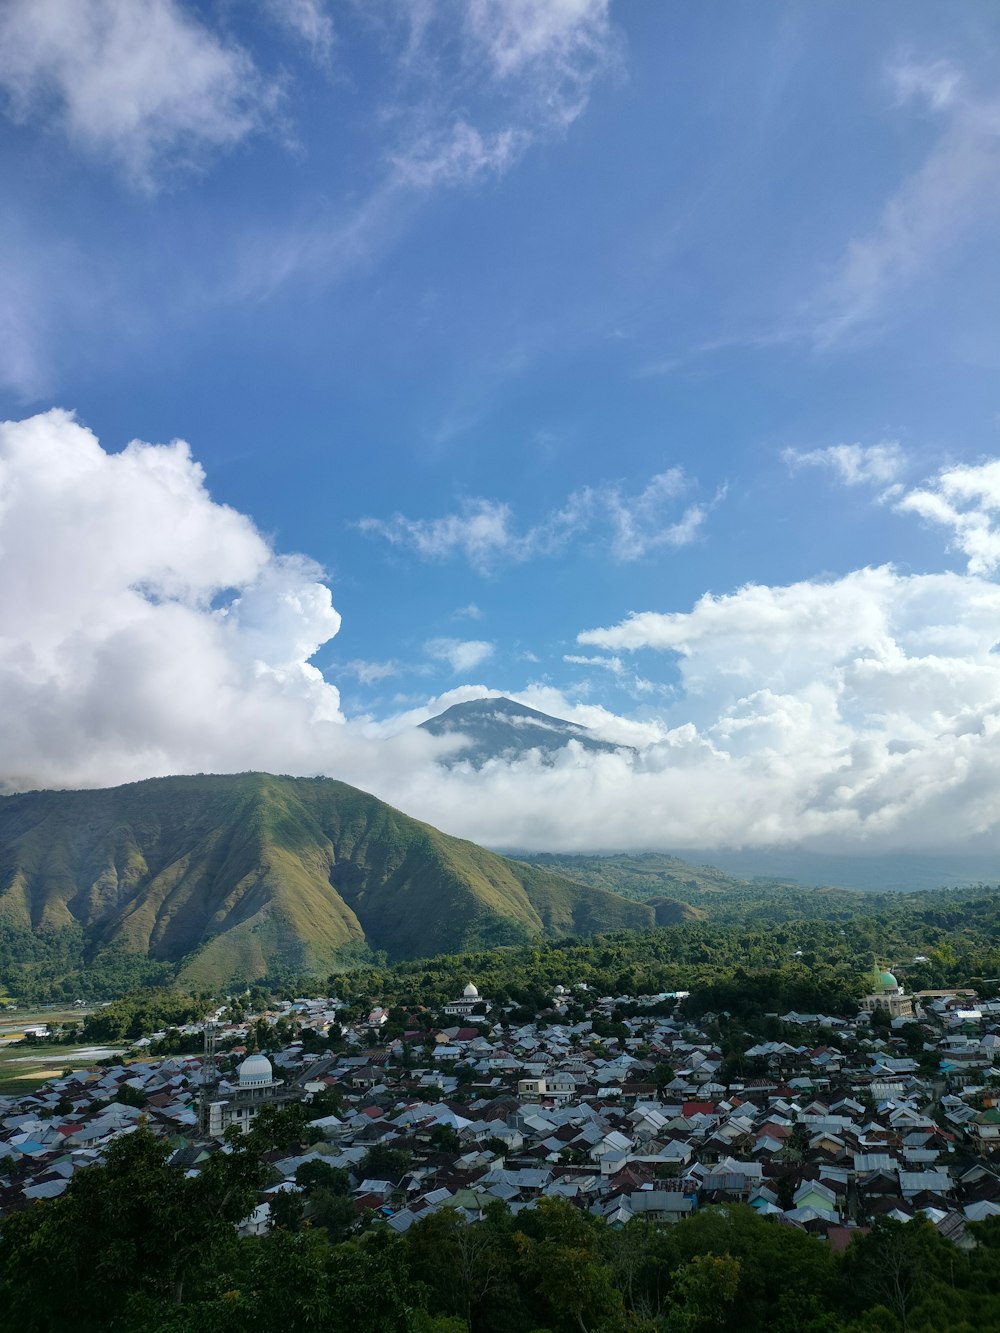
[
  {"x": 613, "y": 664},
  {"x": 937, "y": 82},
  {"x": 854, "y": 464},
  {"x": 965, "y": 499},
  {"x": 370, "y": 673},
  {"x": 456, "y": 156},
  {"x": 147, "y": 629},
  {"x": 143, "y": 627},
  {"x": 147, "y": 86},
  {"x": 460, "y": 654},
  {"x": 309, "y": 20},
  {"x": 953, "y": 192},
  {"x": 484, "y": 531},
  {"x": 857, "y": 713},
  {"x": 481, "y": 532},
  {"x": 468, "y": 612},
  {"x": 529, "y": 65},
  {"x": 560, "y": 45}
]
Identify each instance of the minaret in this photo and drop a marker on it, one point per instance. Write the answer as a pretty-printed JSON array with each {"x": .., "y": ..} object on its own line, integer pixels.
[{"x": 209, "y": 1075}]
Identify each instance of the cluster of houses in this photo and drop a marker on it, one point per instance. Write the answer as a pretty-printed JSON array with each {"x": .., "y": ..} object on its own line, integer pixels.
[{"x": 825, "y": 1137}]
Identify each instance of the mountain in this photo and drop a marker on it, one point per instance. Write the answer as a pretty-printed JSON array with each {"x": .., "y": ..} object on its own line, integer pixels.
[
  {"x": 501, "y": 728},
  {"x": 237, "y": 877}
]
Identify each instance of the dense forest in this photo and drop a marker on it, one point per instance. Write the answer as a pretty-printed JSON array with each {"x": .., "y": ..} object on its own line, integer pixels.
[
  {"x": 811, "y": 966},
  {"x": 136, "y": 1246},
  {"x": 826, "y": 938}
]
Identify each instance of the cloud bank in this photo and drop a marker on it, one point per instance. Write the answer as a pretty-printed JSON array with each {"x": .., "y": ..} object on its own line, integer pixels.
[
  {"x": 144, "y": 628},
  {"x": 147, "y": 629}
]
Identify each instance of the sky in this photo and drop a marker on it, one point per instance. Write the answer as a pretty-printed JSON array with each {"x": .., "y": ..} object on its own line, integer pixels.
[{"x": 637, "y": 361}]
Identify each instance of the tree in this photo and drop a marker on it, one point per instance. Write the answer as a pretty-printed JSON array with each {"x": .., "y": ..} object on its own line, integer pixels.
[
  {"x": 286, "y": 1210},
  {"x": 131, "y": 1229},
  {"x": 894, "y": 1265},
  {"x": 384, "y": 1163},
  {"x": 317, "y": 1174},
  {"x": 704, "y": 1292}
]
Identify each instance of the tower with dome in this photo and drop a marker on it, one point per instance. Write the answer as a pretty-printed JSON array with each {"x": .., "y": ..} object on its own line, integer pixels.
[
  {"x": 887, "y": 995},
  {"x": 237, "y": 1104},
  {"x": 467, "y": 1004}
]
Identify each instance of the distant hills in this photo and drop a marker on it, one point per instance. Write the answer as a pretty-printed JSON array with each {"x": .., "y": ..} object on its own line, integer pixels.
[
  {"x": 503, "y": 729},
  {"x": 240, "y": 877}
]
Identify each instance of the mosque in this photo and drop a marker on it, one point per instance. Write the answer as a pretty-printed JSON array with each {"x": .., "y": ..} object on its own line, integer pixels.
[
  {"x": 466, "y": 1005},
  {"x": 256, "y": 1086},
  {"x": 888, "y": 994}
]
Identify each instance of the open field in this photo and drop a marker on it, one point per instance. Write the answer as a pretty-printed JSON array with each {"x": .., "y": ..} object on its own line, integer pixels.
[
  {"x": 25, "y": 1068},
  {"x": 14, "y": 1021}
]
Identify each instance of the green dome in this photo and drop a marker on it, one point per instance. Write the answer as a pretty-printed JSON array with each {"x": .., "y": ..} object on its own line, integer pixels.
[{"x": 887, "y": 981}]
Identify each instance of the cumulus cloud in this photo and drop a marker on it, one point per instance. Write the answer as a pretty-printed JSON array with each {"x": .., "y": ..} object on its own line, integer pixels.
[
  {"x": 484, "y": 531},
  {"x": 146, "y": 86},
  {"x": 460, "y": 654},
  {"x": 966, "y": 500},
  {"x": 147, "y": 629},
  {"x": 862, "y": 713},
  {"x": 853, "y": 464}
]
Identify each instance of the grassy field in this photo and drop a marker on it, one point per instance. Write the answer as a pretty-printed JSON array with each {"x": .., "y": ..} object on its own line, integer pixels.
[
  {"x": 14, "y": 1021},
  {"x": 25, "y": 1068}
]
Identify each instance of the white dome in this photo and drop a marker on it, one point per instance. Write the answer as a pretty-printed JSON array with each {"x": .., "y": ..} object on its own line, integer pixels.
[
  {"x": 470, "y": 992},
  {"x": 256, "y": 1072}
]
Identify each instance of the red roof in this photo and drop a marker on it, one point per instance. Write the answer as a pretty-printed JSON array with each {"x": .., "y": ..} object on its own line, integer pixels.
[
  {"x": 838, "y": 1238},
  {"x": 698, "y": 1108}
]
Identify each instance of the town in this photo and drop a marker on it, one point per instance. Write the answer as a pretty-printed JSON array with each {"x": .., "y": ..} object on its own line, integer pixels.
[{"x": 835, "y": 1123}]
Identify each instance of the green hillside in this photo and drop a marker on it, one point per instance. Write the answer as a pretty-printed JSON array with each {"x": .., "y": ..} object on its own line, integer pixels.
[
  {"x": 679, "y": 891},
  {"x": 245, "y": 876}
]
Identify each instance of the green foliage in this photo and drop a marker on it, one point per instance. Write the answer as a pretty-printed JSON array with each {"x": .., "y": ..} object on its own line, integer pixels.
[
  {"x": 135, "y": 1246},
  {"x": 211, "y": 878}
]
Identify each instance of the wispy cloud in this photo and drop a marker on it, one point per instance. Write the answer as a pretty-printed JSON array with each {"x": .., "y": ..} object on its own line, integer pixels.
[
  {"x": 528, "y": 65},
  {"x": 484, "y": 531},
  {"x": 148, "y": 87},
  {"x": 457, "y": 155},
  {"x": 853, "y": 464},
  {"x": 309, "y": 21},
  {"x": 474, "y": 87},
  {"x": 954, "y": 191},
  {"x": 460, "y": 654},
  {"x": 370, "y": 673}
]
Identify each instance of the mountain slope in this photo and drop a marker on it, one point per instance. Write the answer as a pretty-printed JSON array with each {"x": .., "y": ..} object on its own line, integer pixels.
[
  {"x": 496, "y": 728},
  {"x": 237, "y": 876}
]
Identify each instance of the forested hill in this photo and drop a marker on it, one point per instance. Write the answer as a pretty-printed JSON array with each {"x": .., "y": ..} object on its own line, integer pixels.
[
  {"x": 236, "y": 877},
  {"x": 704, "y": 890}
]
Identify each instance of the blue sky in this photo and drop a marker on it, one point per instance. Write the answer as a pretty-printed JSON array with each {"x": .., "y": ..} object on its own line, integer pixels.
[{"x": 523, "y": 328}]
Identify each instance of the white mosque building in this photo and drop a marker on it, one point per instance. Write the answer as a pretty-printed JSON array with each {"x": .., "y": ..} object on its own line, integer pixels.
[
  {"x": 256, "y": 1086},
  {"x": 467, "y": 1004}
]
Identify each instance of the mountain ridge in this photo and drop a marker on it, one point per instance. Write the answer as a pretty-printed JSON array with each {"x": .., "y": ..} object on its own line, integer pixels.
[{"x": 232, "y": 876}]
